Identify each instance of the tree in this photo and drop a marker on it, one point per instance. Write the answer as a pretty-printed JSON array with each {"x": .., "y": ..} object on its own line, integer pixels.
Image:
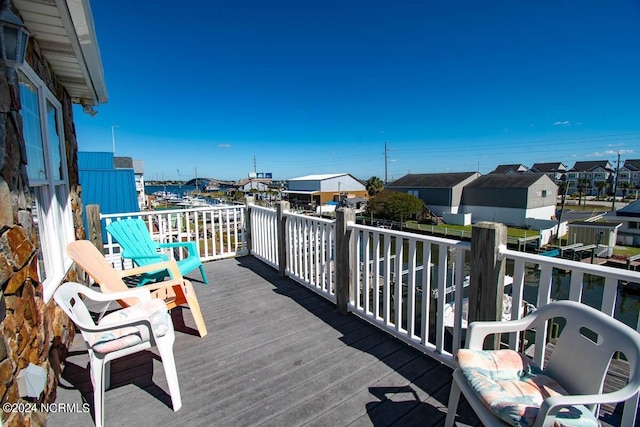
[
  {"x": 374, "y": 186},
  {"x": 625, "y": 186},
  {"x": 582, "y": 185},
  {"x": 600, "y": 185},
  {"x": 394, "y": 205}
]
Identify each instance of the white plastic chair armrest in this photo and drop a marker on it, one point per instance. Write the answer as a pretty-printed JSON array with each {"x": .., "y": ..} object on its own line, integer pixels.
[
  {"x": 478, "y": 331},
  {"x": 555, "y": 403},
  {"x": 133, "y": 321}
]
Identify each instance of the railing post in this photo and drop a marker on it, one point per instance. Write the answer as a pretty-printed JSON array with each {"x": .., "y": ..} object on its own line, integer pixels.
[
  {"x": 281, "y": 225},
  {"x": 344, "y": 259},
  {"x": 487, "y": 273},
  {"x": 94, "y": 225},
  {"x": 248, "y": 201}
]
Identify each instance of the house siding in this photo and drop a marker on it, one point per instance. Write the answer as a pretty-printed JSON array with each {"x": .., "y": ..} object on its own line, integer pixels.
[{"x": 33, "y": 331}]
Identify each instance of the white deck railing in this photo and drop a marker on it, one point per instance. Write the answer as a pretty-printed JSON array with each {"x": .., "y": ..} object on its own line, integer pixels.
[
  {"x": 399, "y": 276},
  {"x": 311, "y": 252},
  {"x": 309, "y": 249},
  {"x": 264, "y": 235},
  {"x": 219, "y": 231},
  {"x": 402, "y": 282}
]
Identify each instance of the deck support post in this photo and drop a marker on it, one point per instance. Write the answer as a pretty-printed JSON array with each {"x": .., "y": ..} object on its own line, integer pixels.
[
  {"x": 248, "y": 201},
  {"x": 486, "y": 285},
  {"x": 344, "y": 259},
  {"x": 281, "y": 209},
  {"x": 94, "y": 227}
]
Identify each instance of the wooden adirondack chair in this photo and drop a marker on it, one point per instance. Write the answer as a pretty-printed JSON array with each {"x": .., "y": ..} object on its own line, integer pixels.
[
  {"x": 175, "y": 292},
  {"x": 133, "y": 236}
]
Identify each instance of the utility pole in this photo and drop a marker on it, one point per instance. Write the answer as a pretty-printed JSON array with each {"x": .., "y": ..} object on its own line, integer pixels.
[
  {"x": 615, "y": 185},
  {"x": 113, "y": 137},
  {"x": 255, "y": 167},
  {"x": 385, "y": 163}
]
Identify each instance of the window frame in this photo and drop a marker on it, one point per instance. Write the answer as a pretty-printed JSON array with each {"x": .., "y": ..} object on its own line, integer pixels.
[{"x": 51, "y": 196}]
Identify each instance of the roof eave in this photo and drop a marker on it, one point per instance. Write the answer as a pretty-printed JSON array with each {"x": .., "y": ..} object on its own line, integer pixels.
[{"x": 78, "y": 20}]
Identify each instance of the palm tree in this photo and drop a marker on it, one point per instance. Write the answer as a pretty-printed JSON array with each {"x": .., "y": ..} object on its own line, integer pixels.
[
  {"x": 374, "y": 185},
  {"x": 582, "y": 185},
  {"x": 600, "y": 185},
  {"x": 626, "y": 186}
]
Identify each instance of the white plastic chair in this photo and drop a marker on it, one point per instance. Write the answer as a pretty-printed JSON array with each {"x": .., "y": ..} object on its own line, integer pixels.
[
  {"x": 578, "y": 363},
  {"x": 120, "y": 333}
]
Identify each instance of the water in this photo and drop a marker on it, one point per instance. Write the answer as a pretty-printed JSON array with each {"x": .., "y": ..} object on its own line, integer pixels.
[
  {"x": 627, "y": 302},
  {"x": 179, "y": 190}
]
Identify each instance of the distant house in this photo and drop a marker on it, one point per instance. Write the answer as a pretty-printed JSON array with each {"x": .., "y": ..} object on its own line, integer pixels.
[
  {"x": 138, "y": 174},
  {"x": 320, "y": 189},
  {"x": 554, "y": 170},
  {"x": 593, "y": 172},
  {"x": 107, "y": 181},
  {"x": 510, "y": 199},
  {"x": 594, "y": 233},
  {"x": 441, "y": 192},
  {"x": 629, "y": 217},
  {"x": 628, "y": 176},
  {"x": 253, "y": 185},
  {"x": 506, "y": 169}
]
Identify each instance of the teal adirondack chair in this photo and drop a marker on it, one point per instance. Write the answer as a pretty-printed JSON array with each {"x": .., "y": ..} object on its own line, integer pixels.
[{"x": 133, "y": 236}]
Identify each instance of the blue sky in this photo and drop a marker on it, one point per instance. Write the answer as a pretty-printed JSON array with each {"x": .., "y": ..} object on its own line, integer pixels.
[{"x": 318, "y": 86}]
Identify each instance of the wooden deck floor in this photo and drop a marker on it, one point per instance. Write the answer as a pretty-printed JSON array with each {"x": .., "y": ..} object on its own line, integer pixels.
[{"x": 276, "y": 354}]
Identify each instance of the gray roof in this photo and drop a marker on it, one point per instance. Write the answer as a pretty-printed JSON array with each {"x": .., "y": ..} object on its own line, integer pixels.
[
  {"x": 508, "y": 181},
  {"x": 632, "y": 164},
  {"x": 632, "y": 209},
  {"x": 431, "y": 180},
  {"x": 549, "y": 167},
  {"x": 518, "y": 168},
  {"x": 589, "y": 166}
]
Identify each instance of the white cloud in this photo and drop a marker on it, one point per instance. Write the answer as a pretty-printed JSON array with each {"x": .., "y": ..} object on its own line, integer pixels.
[
  {"x": 609, "y": 153},
  {"x": 224, "y": 145},
  {"x": 565, "y": 123}
]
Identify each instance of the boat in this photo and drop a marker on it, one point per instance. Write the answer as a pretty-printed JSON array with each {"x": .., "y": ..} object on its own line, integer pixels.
[{"x": 450, "y": 307}]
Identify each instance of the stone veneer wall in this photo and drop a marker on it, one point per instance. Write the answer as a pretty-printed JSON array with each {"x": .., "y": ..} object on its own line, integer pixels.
[{"x": 32, "y": 332}]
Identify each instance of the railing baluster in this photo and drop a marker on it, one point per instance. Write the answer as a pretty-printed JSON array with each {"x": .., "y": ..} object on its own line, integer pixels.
[
  {"x": 609, "y": 296},
  {"x": 386, "y": 291},
  {"x": 459, "y": 283},
  {"x": 366, "y": 271},
  {"x": 426, "y": 292},
  {"x": 517, "y": 291},
  {"x": 411, "y": 288},
  {"x": 376, "y": 277},
  {"x": 398, "y": 282},
  {"x": 442, "y": 284}
]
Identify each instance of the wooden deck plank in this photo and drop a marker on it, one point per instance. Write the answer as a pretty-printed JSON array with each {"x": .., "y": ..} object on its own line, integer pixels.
[{"x": 276, "y": 354}]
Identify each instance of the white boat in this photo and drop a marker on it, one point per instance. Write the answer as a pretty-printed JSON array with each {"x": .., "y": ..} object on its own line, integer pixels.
[
  {"x": 192, "y": 202},
  {"x": 450, "y": 307}
]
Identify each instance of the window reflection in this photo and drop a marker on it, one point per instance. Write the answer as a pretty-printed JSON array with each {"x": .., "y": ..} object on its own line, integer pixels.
[
  {"x": 31, "y": 129},
  {"x": 54, "y": 141}
]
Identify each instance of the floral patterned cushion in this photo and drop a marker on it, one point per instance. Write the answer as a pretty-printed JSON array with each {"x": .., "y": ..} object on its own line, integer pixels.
[
  {"x": 117, "y": 339},
  {"x": 513, "y": 388}
]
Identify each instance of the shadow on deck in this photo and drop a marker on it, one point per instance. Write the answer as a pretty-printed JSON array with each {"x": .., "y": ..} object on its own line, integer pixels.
[{"x": 276, "y": 354}]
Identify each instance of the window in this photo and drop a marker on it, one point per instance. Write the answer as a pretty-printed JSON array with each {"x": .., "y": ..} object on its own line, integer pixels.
[
  {"x": 544, "y": 193},
  {"x": 43, "y": 134}
]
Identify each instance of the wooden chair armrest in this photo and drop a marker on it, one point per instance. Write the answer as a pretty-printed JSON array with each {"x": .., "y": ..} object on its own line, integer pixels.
[
  {"x": 170, "y": 265},
  {"x": 161, "y": 285}
]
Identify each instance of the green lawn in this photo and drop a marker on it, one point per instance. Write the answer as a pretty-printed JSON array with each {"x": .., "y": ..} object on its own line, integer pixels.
[
  {"x": 626, "y": 251},
  {"x": 458, "y": 230}
]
